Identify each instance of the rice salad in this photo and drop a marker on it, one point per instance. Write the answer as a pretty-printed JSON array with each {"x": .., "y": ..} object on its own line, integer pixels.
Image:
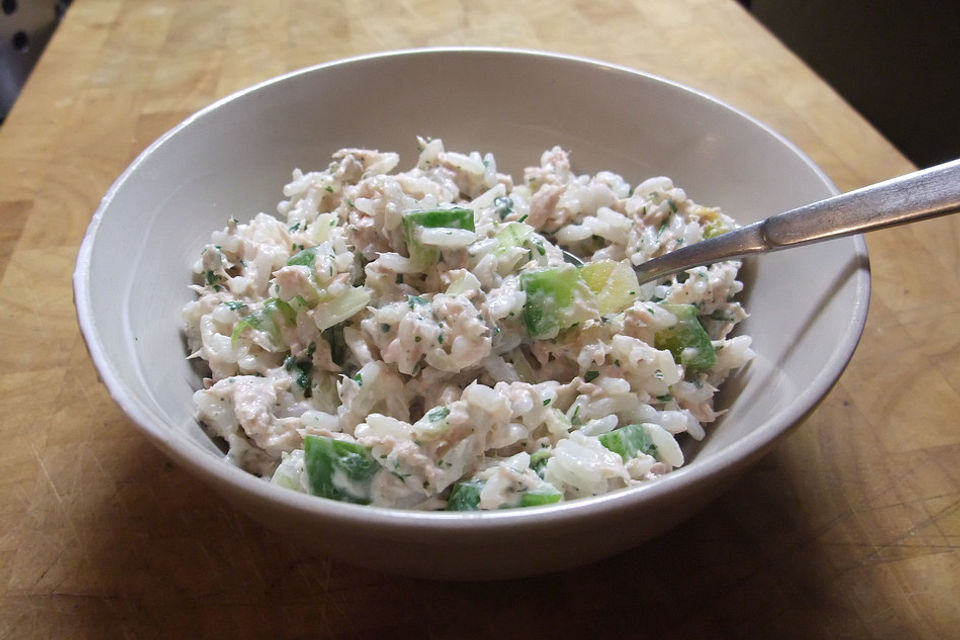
[{"x": 416, "y": 339}]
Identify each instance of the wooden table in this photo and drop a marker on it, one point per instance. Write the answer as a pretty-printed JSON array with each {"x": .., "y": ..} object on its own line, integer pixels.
[{"x": 850, "y": 529}]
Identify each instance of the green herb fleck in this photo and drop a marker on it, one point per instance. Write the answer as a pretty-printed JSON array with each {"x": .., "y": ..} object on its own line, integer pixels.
[
  {"x": 663, "y": 227},
  {"x": 575, "y": 419}
]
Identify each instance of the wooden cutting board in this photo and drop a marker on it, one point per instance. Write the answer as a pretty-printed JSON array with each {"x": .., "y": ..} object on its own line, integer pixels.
[{"x": 850, "y": 529}]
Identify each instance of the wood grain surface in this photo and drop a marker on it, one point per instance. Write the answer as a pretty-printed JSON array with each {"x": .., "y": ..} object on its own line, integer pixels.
[{"x": 848, "y": 530}]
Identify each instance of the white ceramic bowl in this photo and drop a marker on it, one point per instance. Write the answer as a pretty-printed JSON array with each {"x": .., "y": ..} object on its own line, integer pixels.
[{"x": 808, "y": 305}]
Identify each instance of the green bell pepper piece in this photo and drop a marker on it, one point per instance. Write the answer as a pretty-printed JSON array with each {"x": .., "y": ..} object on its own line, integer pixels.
[
  {"x": 538, "y": 497},
  {"x": 338, "y": 469},
  {"x": 455, "y": 218},
  {"x": 687, "y": 340},
  {"x": 629, "y": 440},
  {"x": 557, "y": 298},
  {"x": 465, "y": 496}
]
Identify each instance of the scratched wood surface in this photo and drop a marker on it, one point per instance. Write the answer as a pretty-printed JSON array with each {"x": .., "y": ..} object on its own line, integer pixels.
[{"x": 849, "y": 529}]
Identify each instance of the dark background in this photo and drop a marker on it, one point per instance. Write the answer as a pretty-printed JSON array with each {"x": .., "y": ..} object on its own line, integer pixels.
[{"x": 896, "y": 62}]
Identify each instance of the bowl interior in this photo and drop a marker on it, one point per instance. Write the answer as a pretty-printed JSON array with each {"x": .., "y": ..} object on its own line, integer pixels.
[{"x": 232, "y": 159}]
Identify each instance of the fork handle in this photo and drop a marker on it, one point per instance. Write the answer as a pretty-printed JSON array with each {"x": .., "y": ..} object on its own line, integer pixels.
[{"x": 916, "y": 196}]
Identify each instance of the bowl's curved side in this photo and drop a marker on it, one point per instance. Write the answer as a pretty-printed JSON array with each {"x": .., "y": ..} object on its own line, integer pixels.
[{"x": 233, "y": 157}]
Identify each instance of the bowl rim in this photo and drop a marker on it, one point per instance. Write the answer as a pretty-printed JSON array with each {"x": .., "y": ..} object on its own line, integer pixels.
[{"x": 223, "y": 475}]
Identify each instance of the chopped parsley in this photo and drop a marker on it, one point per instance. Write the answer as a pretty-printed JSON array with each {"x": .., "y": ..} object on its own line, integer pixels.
[
  {"x": 301, "y": 371},
  {"x": 663, "y": 227},
  {"x": 503, "y": 206}
]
